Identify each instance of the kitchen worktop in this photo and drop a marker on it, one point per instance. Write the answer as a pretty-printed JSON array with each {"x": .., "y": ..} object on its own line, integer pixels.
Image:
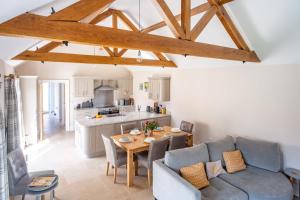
[{"x": 129, "y": 116}]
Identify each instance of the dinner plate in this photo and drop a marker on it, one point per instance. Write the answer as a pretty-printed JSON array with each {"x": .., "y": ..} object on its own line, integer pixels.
[
  {"x": 135, "y": 132},
  {"x": 158, "y": 129},
  {"x": 124, "y": 140},
  {"x": 149, "y": 139},
  {"x": 175, "y": 130}
]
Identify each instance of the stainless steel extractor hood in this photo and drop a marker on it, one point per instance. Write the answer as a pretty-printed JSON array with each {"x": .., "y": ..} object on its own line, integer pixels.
[{"x": 104, "y": 86}]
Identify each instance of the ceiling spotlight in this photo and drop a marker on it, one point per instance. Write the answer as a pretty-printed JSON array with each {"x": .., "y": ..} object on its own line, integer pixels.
[{"x": 66, "y": 43}]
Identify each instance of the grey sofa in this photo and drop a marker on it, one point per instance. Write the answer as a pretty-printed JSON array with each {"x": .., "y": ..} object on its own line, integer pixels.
[{"x": 262, "y": 180}]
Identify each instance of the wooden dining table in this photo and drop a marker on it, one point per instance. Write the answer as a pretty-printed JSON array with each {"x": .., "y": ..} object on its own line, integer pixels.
[{"x": 137, "y": 144}]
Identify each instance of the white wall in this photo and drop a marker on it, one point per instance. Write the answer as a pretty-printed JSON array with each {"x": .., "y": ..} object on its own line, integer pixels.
[
  {"x": 28, "y": 86},
  {"x": 254, "y": 101}
]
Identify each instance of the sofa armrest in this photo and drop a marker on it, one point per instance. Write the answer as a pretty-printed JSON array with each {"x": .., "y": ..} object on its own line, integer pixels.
[{"x": 167, "y": 184}]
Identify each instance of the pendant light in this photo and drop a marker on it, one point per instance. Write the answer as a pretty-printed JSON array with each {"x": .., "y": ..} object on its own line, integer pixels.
[{"x": 139, "y": 56}]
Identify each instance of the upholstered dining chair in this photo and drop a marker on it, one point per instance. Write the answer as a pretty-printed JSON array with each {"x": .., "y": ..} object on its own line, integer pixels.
[
  {"x": 177, "y": 142},
  {"x": 156, "y": 151},
  {"x": 114, "y": 156},
  {"x": 186, "y": 126},
  {"x": 127, "y": 127},
  {"x": 18, "y": 175}
]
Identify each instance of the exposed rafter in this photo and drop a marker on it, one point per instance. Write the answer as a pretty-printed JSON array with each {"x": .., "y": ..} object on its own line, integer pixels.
[
  {"x": 29, "y": 25},
  {"x": 81, "y": 27},
  {"x": 80, "y": 10},
  {"x": 186, "y": 18},
  {"x": 169, "y": 18},
  {"x": 229, "y": 25},
  {"x": 195, "y": 11},
  {"x": 198, "y": 28},
  {"x": 90, "y": 59}
]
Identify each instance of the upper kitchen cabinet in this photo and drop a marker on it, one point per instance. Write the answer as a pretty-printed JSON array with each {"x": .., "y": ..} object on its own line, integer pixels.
[
  {"x": 84, "y": 87},
  {"x": 125, "y": 88},
  {"x": 159, "y": 88}
]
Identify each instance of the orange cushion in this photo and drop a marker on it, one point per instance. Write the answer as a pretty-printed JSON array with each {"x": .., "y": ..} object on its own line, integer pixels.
[
  {"x": 234, "y": 161},
  {"x": 195, "y": 174}
]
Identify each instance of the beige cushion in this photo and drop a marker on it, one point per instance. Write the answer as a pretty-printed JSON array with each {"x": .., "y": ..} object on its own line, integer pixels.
[
  {"x": 195, "y": 174},
  {"x": 234, "y": 161}
]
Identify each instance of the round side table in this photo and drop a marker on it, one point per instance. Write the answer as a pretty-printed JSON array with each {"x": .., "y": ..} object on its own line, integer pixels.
[
  {"x": 39, "y": 192},
  {"x": 294, "y": 175}
]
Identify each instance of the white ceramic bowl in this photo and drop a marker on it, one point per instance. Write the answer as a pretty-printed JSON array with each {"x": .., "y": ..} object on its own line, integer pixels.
[{"x": 135, "y": 132}]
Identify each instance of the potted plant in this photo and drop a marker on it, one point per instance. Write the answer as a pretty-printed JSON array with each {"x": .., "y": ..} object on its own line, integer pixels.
[{"x": 149, "y": 127}]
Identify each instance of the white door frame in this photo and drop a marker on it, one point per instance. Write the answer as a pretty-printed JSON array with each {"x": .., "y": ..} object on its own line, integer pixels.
[{"x": 67, "y": 103}]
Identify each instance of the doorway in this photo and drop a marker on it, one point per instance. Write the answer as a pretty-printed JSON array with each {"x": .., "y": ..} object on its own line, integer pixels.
[{"x": 53, "y": 107}]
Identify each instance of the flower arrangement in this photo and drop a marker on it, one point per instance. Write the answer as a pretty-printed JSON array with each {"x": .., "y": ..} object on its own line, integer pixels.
[{"x": 150, "y": 126}]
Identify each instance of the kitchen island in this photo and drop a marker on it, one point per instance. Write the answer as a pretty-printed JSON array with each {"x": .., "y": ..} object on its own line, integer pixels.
[{"x": 88, "y": 131}]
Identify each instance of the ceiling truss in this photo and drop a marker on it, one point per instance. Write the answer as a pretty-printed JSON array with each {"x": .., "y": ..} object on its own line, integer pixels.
[{"x": 78, "y": 24}]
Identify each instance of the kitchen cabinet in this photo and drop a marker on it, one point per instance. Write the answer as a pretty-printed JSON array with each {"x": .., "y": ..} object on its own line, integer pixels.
[
  {"x": 84, "y": 87},
  {"x": 125, "y": 89},
  {"x": 159, "y": 88}
]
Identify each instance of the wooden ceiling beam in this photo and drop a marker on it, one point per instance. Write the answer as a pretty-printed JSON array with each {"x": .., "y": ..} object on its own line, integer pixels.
[
  {"x": 169, "y": 18},
  {"x": 122, "y": 52},
  {"x": 89, "y": 59},
  {"x": 222, "y": 2},
  {"x": 201, "y": 24},
  {"x": 115, "y": 25},
  {"x": 80, "y": 10},
  {"x": 110, "y": 52},
  {"x": 229, "y": 26},
  {"x": 102, "y": 16},
  {"x": 48, "y": 47},
  {"x": 195, "y": 11},
  {"x": 131, "y": 26},
  {"x": 186, "y": 18},
  {"x": 126, "y": 21},
  {"x": 35, "y": 26}
]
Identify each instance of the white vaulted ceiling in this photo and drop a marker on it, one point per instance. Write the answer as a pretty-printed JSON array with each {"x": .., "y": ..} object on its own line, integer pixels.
[{"x": 270, "y": 27}]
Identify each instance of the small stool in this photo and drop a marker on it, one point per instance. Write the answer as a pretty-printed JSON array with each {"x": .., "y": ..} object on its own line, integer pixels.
[{"x": 294, "y": 175}]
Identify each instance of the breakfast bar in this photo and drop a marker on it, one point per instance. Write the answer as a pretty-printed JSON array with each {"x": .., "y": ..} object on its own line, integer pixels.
[{"x": 88, "y": 131}]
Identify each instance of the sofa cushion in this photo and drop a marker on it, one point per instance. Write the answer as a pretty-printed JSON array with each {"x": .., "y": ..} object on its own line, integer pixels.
[
  {"x": 216, "y": 149},
  {"x": 261, "y": 184},
  {"x": 265, "y": 155},
  {"x": 220, "y": 190},
  {"x": 195, "y": 174},
  {"x": 179, "y": 158},
  {"x": 234, "y": 161}
]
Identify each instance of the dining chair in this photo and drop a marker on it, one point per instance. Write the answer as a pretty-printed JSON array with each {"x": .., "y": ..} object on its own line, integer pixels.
[
  {"x": 114, "y": 156},
  {"x": 127, "y": 127},
  {"x": 18, "y": 175},
  {"x": 186, "y": 126},
  {"x": 177, "y": 142},
  {"x": 156, "y": 151}
]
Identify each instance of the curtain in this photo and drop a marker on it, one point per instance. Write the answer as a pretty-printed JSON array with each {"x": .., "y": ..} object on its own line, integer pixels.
[
  {"x": 11, "y": 115},
  {"x": 3, "y": 161}
]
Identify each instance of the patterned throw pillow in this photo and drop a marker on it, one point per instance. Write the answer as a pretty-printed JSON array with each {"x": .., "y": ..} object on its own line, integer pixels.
[
  {"x": 195, "y": 174},
  {"x": 214, "y": 169},
  {"x": 234, "y": 161}
]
